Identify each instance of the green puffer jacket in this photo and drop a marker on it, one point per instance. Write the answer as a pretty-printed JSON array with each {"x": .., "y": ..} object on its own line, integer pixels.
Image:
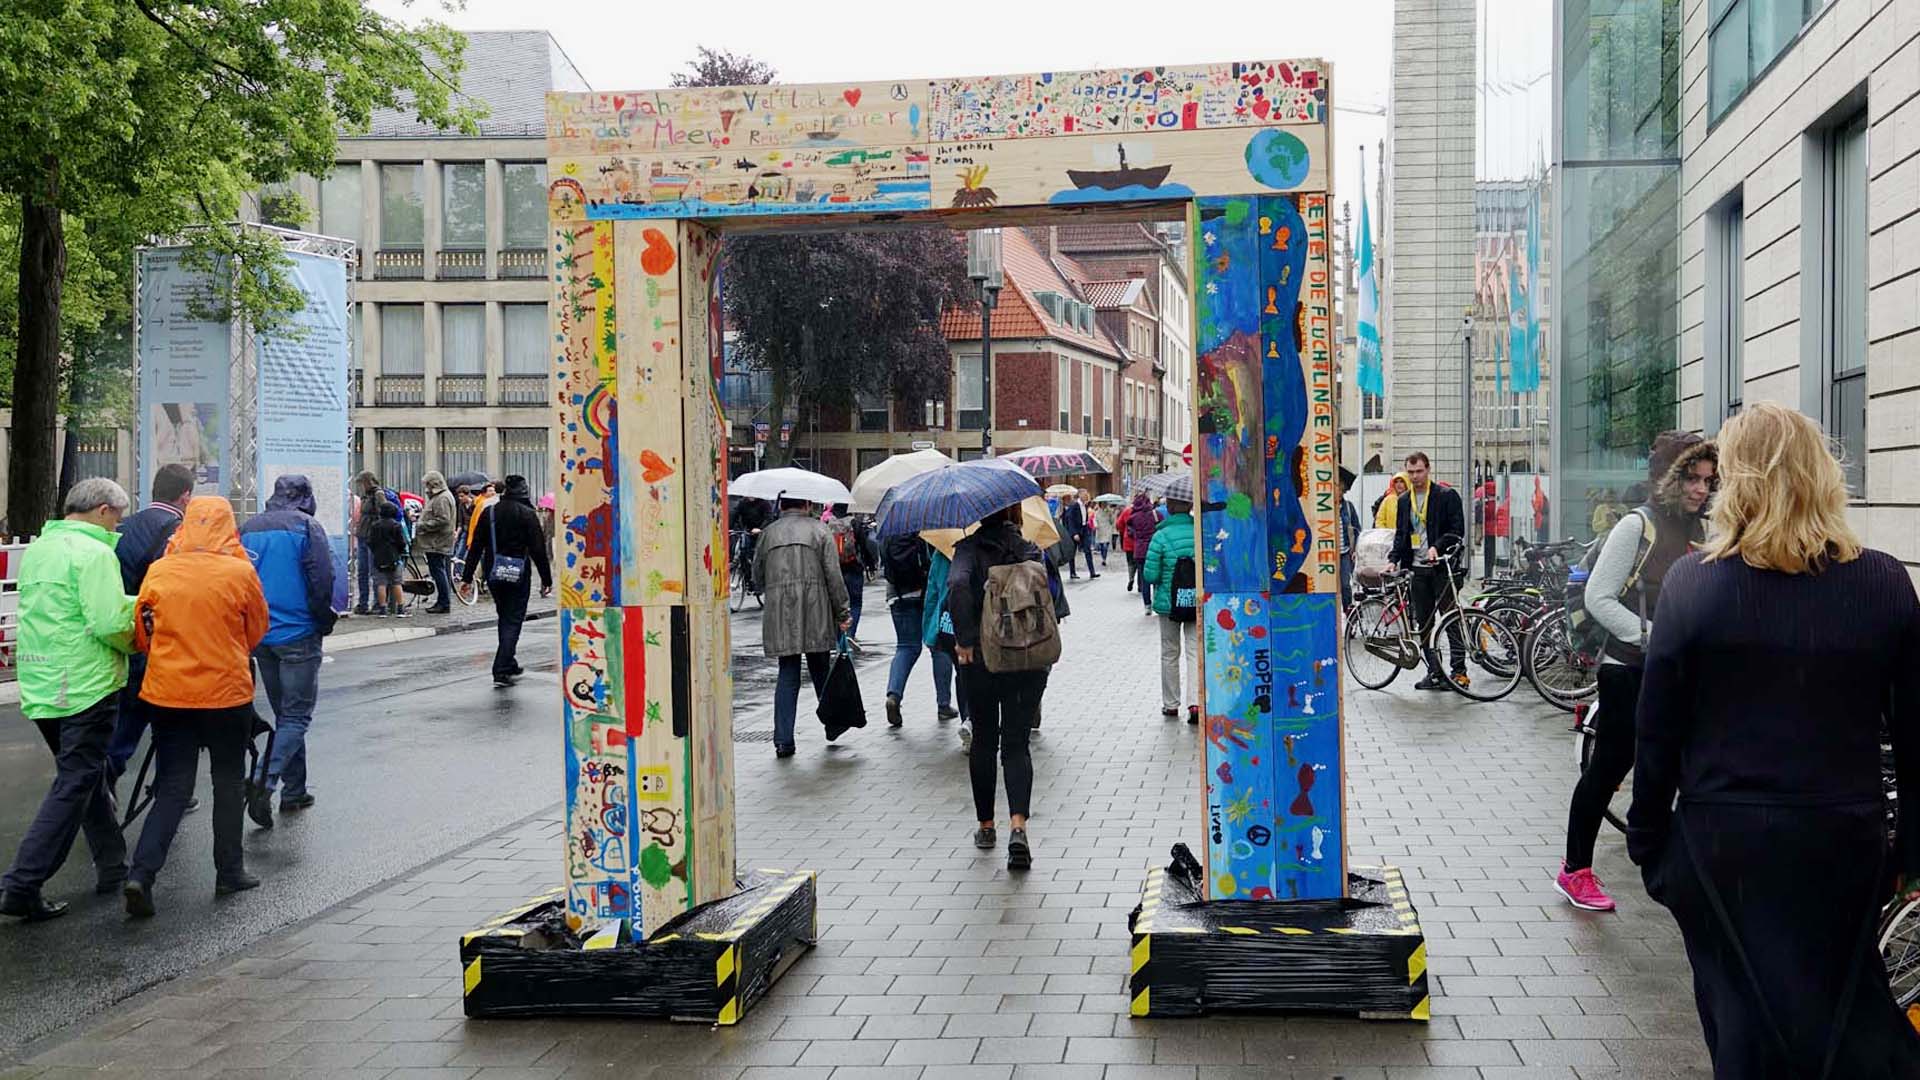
[
  {"x": 1172, "y": 541},
  {"x": 76, "y": 625}
]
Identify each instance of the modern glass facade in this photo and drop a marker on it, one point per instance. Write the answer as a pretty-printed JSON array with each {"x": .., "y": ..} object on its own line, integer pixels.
[{"x": 1616, "y": 267}]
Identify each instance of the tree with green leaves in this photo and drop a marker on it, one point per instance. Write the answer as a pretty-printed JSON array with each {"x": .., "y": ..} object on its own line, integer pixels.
[
  {"x": 834, "y": 315},
  {"x": 123, "y": 121}
]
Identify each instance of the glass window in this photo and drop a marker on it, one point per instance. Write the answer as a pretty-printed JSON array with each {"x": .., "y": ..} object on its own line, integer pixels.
[
  {"x": 403, "y": 456},
  {"x": 1086, "y": 398},
  {"x": 525, "y": 199},
  {"x": 340, "y": 202},
  {"x": 524, "y": 328},
  {"x": 1728, "y": 265},
  {"x": 523, "y": 451},
  {"x": 403, "y": 349},
  {"x": 1064, "y": 388},
  {"x": 463, "y": 450},
  {"x": 463, "y": 339},
  {"x": 867, "y": 459},
  {"x": 463, "y": 205},
  {"x": 1743, "y": 37},
  {"x": 1845, "y": 255},
  {"x": 873, "y": 411},
  {"x": 403, "y": 215},
  {"x": 969, "y": 393},
  {"x": 1729, "y": 59}
]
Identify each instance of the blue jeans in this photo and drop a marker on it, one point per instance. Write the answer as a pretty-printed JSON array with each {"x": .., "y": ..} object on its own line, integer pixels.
[
  {"x": 132, "y": 723},
  {"x": 442, "y": 584},
  {"x": 80, "y": 799},
  {"x": 291, "y": 674},
  {"x": 178, "y": 735},
  {"x": 1086, "y": 548},
  {"x": 907, "y": 628},
  {"x": 363, "y": 561},
  {"x": 856, "y": 580},
  {"x": 786, "y": 693}
]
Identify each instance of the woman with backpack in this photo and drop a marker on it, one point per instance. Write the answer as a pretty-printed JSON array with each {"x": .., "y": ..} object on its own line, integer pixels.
[
  {"x": 1170, "y": 566},
  {"x": 1006, "y": 639},
  {"x": 1140, "y": 525},
  {"x": 906, "y": 562},
  {"x": 1621, "y": 593}
]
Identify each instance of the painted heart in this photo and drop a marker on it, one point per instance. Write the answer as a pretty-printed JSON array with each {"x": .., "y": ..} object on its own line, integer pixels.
[
  {"x": 618, "y": 102},
  {"x": 1261, "y": 106},
  {"x": 653, "y": 468},
  {"x": 1225, "y": 619},
  {"x": 852, "y": 96},
  {"x": 657, "y": 259}
]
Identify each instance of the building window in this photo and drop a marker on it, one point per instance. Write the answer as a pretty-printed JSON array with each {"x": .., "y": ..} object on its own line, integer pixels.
[
  {"x": 525, "y": 201},
  {"x": 463, "y": 450},
  {"x": 1064, "y": 387},
  {"x": 1727, "y": 296},
  {"x": 1743, "y": 37},
  {"x": 523, "y": 452},
  {"x": 403, "y": 456},
  {"x": 1843, "y": 324},
  {"x": 280, "y": 205},
  {"x": 873, "y": 411},
  {"x": 463, "y": 205},
  {"x": 970, "y": 393},
  {"x": 936, "y": 415},
  {"x": 403, "y": 349},
  {"x": 403, "y": 207},
  {"x": 463, "y": 339},
  {"x": 524, "y": 328},
  {"x": 340, "y": 202},
  {"x": 867, "y": 459},
  {"x": 1086, "y": 398}
]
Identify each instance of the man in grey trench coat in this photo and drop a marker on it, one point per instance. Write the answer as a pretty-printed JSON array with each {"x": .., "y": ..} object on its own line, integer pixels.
[{"x": 806, "y": 606}]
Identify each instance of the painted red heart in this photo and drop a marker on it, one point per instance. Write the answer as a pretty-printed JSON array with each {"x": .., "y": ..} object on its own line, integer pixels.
[
  {"x": 1261, "y": 106},
  {"x": 1225, "y": 619},
  {"x": 618, "y": 103},
  {"x": 852, "y": 96},
  {"x": 653, "y": 467}
]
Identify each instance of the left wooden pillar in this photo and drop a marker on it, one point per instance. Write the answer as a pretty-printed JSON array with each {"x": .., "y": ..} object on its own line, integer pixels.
[{"x": 646, "y": 694}]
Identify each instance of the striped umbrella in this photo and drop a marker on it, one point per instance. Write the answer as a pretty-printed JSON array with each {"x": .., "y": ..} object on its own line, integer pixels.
[{"x": 953, "y": 497}]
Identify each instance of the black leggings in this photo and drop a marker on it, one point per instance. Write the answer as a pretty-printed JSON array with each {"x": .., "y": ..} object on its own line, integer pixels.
[
  {"x": 1004, "y": 708},
  {"x": 1611, "y": 762}
]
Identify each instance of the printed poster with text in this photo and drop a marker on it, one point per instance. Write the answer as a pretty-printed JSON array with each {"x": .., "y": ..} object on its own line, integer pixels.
[{"x": 184, "y": 366}]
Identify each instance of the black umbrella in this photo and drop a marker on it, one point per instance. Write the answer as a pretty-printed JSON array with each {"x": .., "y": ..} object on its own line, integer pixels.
[
  {"x": 1346, "y": 477},
  {"x": 471, "y": 480}
]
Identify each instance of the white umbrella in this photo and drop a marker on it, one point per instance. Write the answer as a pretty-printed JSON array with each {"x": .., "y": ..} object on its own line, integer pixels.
[
  {"x": 1063, "y": 489},
  {"x": 873, "y": 483},
  {"x": 1035, "y": 524},
  {"x": 789, "y": 483}
]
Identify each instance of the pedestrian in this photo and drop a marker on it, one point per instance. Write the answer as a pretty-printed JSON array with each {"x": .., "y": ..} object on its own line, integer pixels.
[
  {"x": 387, "y": 540},
  {"x": 143, "y": 536},
  {"x": 368, "y": 498},
  {"x": 1489, "y": 513},
  {"x": 1171, "y": 568},
  {"x": 906, "y": 563},
  {"x": 1622, "y": 596},
  {"x": 807, "y": 606},
  {"x": 506, "y": 538},
  {"x": 1103, "y": 529},
  {"x": 1005, "y": 703},
  {"x": 434, "y": 537},
  {"x": 199, "y": 616},
  {"x": 1349, "y": 536},
  {"x": 290, "y": 552},
  {"x": 1430, "y": 536},
  {"x": 1782, "y": 655},
  {"x": 481, "y": 500},
  {"x": 462, "y": 521},
  {"x": 1123, "y": 539},
  {"x": 1089, "y": 533},
  {"x": 848, "y": 549},
  {"x": 75, "y": 629},
  {"x": 1142, "y": 520},
  {"x": 936, "y": 631},
  {"x": 1386, "y": 508}
]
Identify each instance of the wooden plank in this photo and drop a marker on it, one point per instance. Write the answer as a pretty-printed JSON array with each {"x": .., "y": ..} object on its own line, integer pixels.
[
  {"x": 1321, "y": 496},
  {"x": 1283, "y": 258},
  {"x": 1304, "y": 747},
  {"x": 651, "y": 672},
  {"x": 1084, "y": 170},
  {"x": 584, "y": 422},
  {"x": 1129, "y": 100},
  {"x": 776, "y": 180},
  {"x": 711, "y": 734},
  {"x": 600, "y": 853},
  {"x": 1239, "y": 746},
  {"x": 737, "y": 119},
  {"x": 651, "y": 496},
  {"x": 703, "y": 424},
  {"x": 1230, "y": 447}
]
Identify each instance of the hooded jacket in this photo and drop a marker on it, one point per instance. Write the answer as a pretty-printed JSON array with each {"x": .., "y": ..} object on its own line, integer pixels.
[
  {"x": 1141, "y": 524},
  {"x": 1625, "y": 609},
  {"x": 366, "y": 488},
  {"x": 1386, "y": 508},
  {"x": 290, "y": 553},
  {"x": 76, "y": 626},
  {"x": 994, "y": 545},
  {"x": 804, "y": 590},
  {"x": 1172, "y": 541},
  {"x": 511, "y": 521},
  {"x": 200, "y": 613},
  {"x": 433, "y": 534}
]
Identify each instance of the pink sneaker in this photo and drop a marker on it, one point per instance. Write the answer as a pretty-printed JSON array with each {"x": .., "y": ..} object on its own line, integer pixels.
[{"x": 1583, "y": 890}]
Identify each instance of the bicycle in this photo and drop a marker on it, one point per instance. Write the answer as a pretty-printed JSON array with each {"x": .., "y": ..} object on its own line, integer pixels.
[
  {"x": 1563, "y": 674},
  {"x": 1383, "y": 639},
  {"x": 1586, "y": 731},
  {"x": 740, "y": 581}
]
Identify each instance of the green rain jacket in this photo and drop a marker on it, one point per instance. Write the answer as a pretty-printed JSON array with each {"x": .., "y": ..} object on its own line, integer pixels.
[
  {"x": 1172, "y": 541},
  {"x": 76, "y": 624}
]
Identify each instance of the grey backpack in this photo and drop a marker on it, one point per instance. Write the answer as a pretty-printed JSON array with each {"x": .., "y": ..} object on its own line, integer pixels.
[{"x": 1019, "y": 630}]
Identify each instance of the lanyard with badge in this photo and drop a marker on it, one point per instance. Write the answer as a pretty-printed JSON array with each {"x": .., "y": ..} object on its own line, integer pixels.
[{"x": 1419, "y": 529}]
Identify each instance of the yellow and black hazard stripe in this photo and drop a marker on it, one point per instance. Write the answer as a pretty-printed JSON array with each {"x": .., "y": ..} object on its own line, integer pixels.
[
  {"x": 1140, "y": 979},
  {"x": 726, "y": 985}
]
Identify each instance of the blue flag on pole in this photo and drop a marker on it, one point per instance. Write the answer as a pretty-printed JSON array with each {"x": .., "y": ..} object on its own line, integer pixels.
[
  {"x": 1534, "y": 344},
  {"x": 1373, "y": 378}
]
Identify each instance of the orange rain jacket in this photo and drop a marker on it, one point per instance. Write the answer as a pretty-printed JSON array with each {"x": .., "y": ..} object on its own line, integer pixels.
[{"x": 200, "y": 613}]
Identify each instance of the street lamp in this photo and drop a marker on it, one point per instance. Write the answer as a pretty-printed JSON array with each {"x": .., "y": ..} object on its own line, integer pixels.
[{"x": 983, "y": 269}]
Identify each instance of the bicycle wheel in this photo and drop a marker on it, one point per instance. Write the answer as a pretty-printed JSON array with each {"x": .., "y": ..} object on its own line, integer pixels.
[
  {"x": 736, "y": 585},
  {"x": 456, "y": 568},
  {"x": 1583, "y": 740},
  {"x": 1561, "y": 674},
  {"x": 1516, "y": 610},
  {"x": 1900, "y": 948},
  {"x": 1493, "y": 653},
  {"x": 1371, "y": 619}
]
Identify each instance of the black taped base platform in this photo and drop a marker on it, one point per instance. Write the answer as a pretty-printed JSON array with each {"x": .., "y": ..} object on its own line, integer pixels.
[
  {"x": 710, "y": 964},
  {"x": 1363, "y": 956}
]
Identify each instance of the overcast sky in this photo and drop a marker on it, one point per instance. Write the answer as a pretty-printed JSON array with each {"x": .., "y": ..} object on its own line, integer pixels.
[{"x": 629, "y": 45}]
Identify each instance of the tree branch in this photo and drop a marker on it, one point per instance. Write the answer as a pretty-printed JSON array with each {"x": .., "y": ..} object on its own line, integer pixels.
[{"x": 253, "y": 81}]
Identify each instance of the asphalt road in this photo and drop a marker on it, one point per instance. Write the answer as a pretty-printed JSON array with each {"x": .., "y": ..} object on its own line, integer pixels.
[{"x": 413, "y": 753}]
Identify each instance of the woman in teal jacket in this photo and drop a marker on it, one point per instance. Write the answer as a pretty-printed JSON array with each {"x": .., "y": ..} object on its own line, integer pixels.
[
  {"x": 1172, "y": 541},
  {"x": 937, "y": 633}
]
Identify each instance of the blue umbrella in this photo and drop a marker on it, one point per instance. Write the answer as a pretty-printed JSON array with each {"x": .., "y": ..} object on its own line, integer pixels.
[{"x": 953, "y": 497}]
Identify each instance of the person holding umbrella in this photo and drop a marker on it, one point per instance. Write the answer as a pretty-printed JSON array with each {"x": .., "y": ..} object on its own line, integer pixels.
[{"x": 806, "y": 609}]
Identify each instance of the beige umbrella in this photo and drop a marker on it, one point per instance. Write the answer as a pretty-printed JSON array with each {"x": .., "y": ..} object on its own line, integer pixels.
[
  {"x": 1063, "y": 489},
  {"x": 872, "y": 484},
  {"x": 1035, "y": 524}
]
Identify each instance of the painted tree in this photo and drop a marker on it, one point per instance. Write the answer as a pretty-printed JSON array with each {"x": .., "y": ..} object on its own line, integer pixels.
[
  {"x": 126, "y": 120},
  {"x": 833, "y": 315}
]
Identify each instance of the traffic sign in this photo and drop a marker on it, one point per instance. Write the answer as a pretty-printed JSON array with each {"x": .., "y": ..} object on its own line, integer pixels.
[{"x": 1186, "y": 455}]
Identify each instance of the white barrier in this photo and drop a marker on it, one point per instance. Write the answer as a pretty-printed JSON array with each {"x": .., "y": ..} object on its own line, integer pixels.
[{"x": 9, "y": 597}]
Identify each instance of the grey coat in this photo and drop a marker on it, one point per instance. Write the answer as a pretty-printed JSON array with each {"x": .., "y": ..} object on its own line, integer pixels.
[
  {"x": 433, "y": 533},
  {"x": 799, "y": 573}
]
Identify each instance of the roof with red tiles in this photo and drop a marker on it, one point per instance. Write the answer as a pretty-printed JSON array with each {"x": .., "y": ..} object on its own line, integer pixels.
[
  {"x": 1108, "y": 237},
  {"x": 1028, "y": 270},
  {"x": 1114, "y": 294}
]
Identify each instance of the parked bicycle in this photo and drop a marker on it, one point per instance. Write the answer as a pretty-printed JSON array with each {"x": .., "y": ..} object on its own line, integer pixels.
[
  {"x": 740, "y": 582},
  {"x": 1383, "y": 638}
]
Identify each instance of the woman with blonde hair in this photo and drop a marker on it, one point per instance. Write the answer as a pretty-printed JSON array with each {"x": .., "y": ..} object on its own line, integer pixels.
[{"x": 1781, "y": 653}]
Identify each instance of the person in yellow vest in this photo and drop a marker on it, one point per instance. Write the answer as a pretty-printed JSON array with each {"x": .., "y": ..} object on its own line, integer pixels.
[{"x": 1386, "y": 508}]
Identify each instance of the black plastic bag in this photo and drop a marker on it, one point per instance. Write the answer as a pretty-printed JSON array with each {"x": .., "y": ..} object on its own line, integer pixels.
[{"x": 840, "y": 707}]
